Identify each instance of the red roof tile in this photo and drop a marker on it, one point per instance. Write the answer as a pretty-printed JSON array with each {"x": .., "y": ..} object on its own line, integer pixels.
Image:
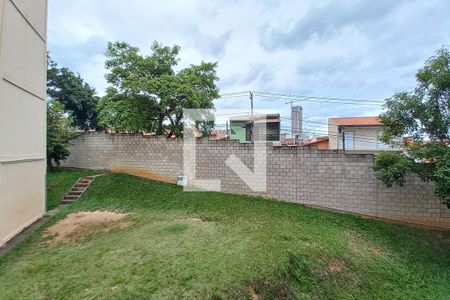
[
  {"x": 375, "y": 120},
  {"x": 319, "y": 140}
]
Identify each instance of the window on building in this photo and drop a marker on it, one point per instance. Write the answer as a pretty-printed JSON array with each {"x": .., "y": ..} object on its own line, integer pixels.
[
  {"x": 348, "y": 140},
  {"x": 248, "y": 131},
  {"x": 273, "y": 131}
]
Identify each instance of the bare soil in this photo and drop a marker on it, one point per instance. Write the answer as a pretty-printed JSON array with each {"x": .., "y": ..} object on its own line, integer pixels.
[
  {"x": 360, "y": 245},
  {"x": 145, "y": 173},
  {"x": 197, "y": 220},
  {"x": 336, "y": 265},
  {"x": 253, "y": 293},
  {"x": 78, "y": 226}
]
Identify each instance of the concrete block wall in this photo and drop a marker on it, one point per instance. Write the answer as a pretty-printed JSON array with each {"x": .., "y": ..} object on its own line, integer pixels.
[{"x": 326, "y": 178}]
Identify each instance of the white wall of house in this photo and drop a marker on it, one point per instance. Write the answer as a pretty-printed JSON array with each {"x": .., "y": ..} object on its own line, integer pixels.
[
  {"x": 362, "y": 138},
  {"x": 357, "y": 138},
  {"x": 23, "y": 47}
]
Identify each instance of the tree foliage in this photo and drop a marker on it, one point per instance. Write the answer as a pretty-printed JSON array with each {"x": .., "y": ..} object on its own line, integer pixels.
[
  {"x": 78, "y": 98},
  {"x": 419, "y": 122},
  {"x": 145, "y": 92},
  {"x": 60, "y": 132}
]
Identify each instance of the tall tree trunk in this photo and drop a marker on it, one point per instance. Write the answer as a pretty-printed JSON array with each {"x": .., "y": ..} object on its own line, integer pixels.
[
  {"x": 49, "y": 162},
  {"x": 160, "y": 123},
  {"x": 171, "y": 130}
]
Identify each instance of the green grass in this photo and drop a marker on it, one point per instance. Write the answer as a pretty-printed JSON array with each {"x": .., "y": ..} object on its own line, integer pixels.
[
  {"x": 278, "y": 249},
  {"x": 59, "y": 181}
]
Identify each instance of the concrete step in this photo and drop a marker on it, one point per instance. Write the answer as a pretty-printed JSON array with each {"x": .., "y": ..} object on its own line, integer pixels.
[
  {"x": 77, "y": 190},
  {"x": 67, "y": 201},
  {"x": 75, "y": 193},
  {"x": 82, "y": 185}
]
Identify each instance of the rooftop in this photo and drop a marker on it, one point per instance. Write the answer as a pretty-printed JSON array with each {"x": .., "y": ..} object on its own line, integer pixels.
[
  {"x": 373, "y": 120},
  {"x": 269, "y": 118},
  {"x": 319, "y": 139}
]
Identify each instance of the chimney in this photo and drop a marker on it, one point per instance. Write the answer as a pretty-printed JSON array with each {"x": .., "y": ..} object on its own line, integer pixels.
[{"x": 296, "y": 119}]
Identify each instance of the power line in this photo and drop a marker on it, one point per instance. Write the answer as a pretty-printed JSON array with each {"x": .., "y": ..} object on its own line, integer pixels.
[
  {"x": 286, "y": 118},
  {"x": 294, "y": 99},
  {"x": 355, "y": 138},
  {"x": 321, "y": 132},
  {"x": 339, "y": 137},
  {"x": 234, "y": 93},
  {"x": 320, "y": 98},
  {"x": 317, "y": 100},
  {"x": 321, "y": 101},
  {"x": 287, "y": 129},
  {"x": 235, "y": 114},
  {"x": 313, "y": 122},
  {"x": 298, "y": 98},
  {"x": 231, "y": 97},
  {"x": 318, "y": 132}
]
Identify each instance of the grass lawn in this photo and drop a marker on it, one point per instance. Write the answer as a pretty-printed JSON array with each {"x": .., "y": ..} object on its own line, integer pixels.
[
  {"x": 221, "y": 246},
  {"x": 59, "y": 181}
]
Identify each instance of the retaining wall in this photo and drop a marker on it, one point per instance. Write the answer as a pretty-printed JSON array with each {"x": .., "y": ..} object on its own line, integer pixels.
[{"x": 327, "y": 178}]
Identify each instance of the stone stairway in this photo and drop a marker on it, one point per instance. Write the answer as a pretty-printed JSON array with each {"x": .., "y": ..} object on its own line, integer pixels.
[{"x": 77, "y": 189}]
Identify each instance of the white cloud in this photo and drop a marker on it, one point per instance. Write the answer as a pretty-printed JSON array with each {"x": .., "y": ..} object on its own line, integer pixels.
[{"x": 351, "y": 49}]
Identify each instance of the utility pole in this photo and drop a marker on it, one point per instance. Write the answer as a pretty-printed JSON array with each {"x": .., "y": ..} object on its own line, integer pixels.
[{"x": 252, "y": 123}]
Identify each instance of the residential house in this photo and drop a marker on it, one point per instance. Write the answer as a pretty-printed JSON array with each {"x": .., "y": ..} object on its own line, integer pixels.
[
  {"x": 266, "y": 127},
  {"x": 321, "y": 143},
  {"x": 23, "y": 65},
  {"x": 355, "y": 133}
]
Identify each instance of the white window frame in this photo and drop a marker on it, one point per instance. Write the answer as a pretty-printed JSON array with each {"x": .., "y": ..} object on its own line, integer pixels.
[{"x": 349, "y": 142}]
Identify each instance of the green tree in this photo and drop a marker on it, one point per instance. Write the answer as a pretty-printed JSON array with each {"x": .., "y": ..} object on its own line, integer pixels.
[
  {"x": 78, "y": 98},
  {"x": 60, "y": 132},
  {"x": 146, "y": 94},
  {"x": 419, "y": 122}
]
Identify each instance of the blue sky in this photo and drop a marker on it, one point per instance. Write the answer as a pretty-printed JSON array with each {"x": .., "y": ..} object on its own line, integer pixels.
[{"x": 350, "y": 49}]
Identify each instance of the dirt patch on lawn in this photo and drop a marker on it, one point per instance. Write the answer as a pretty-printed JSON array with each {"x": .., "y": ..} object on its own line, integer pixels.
[
  {"x": 360, "y": 245},
  {"x": 336, "y": 265},
  {"x": 253, "y": 293},
  {"x": 443, "y": 236},
  {"x": 377, "y": 250},
  {"x": 196, "y": 220},
  {"x": 79, "y": 226},
  {"x": 145, "y": 173}
]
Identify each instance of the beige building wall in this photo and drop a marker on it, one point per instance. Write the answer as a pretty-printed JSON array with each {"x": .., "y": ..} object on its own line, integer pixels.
[
  {"x": 366, "y": 138},
  {"x": 333, "y": 135},
  {"x": 23, "y": 48},
  {"x": 363, "y": 137}
]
